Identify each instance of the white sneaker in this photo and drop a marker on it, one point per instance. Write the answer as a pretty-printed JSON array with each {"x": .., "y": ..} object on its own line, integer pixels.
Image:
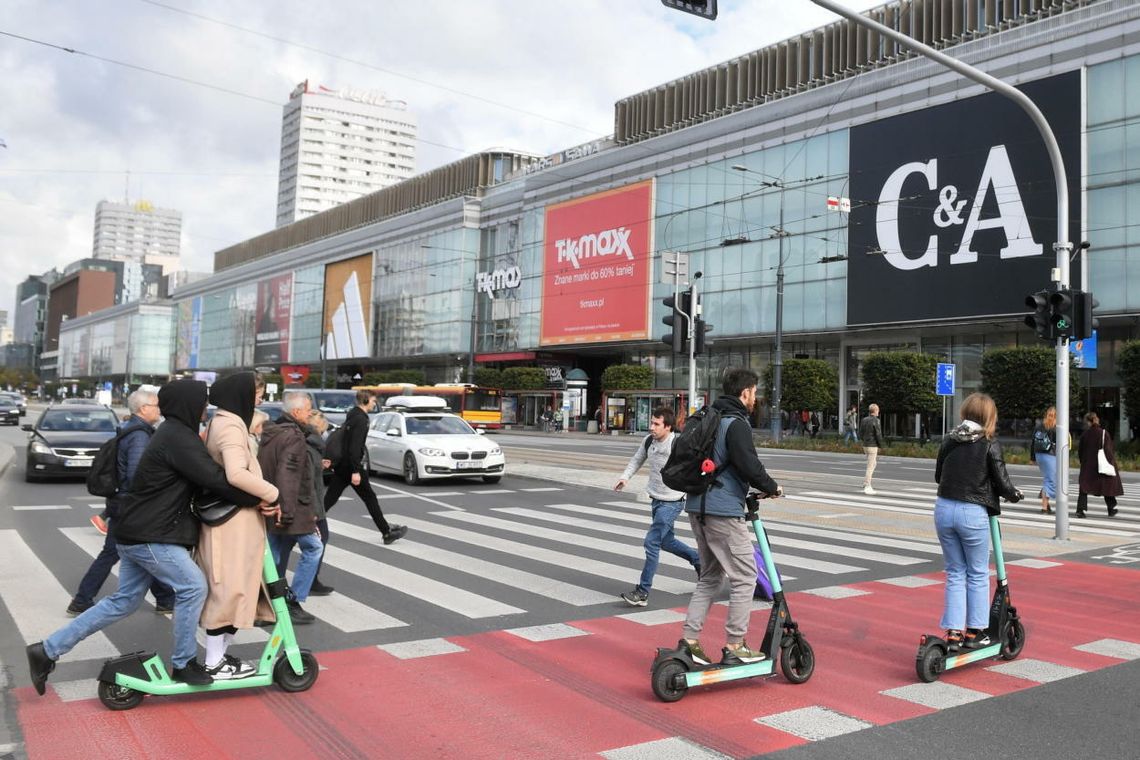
[
  {"x": 231, "y": 669},
  {"x": 868, "y": 490}
]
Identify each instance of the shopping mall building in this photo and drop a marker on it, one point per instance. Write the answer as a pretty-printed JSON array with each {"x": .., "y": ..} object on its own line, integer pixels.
[{"x": 908, "y": 209}]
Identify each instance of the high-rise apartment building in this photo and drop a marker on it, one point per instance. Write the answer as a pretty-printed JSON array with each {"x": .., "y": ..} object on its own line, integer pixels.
[
  {"x": 337, "y": 145},
  {"x": 138, "y": 232}
]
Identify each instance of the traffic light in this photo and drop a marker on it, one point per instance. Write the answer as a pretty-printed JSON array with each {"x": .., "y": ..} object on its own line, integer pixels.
[
  {"x": 1061, "y": 316},
  {"x": 1083, "y": 320},
  {"x": 678, "y": 321},
  {"x": 699, "y": 329},
  {"x": 702, "y": 8},
  {"x": 1039, "y": 319}
]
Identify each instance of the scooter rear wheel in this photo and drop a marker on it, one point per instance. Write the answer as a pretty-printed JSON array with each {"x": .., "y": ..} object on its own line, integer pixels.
[
  {"x": 929, "y": 664},
  {"x": 1012, "y": 640},
  {"x": 116, "y": 697},
  {"x": 665, "y": 674},
  {"x": 284, "y": 676},
  {"x": 797, "y": 660}
]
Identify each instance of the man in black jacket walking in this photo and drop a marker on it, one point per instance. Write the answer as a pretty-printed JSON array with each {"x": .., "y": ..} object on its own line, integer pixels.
[
  {"x": 156, "y": 533},
  {"x": 350, "y": 468}
]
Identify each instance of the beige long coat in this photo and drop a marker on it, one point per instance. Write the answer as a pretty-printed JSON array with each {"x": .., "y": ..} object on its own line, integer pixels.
[{"x": 231, "y": 554}]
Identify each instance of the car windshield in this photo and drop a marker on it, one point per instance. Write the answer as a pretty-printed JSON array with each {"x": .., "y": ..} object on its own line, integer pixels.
[
  {"x": 333, "y": 402},
  {"x": 441, "y": 425},
  {"x": 79, "y": 420}
]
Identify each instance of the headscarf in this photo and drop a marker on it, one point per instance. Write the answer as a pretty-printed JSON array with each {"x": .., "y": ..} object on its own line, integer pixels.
[
  {"x": 184, "y": 401},
  {"x": 236, "y": 394}
]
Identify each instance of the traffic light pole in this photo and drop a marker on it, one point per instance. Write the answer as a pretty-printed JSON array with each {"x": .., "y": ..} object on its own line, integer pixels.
[
  {"x": 695, "y": 308},
  {"x": 1062, "y": 247}
]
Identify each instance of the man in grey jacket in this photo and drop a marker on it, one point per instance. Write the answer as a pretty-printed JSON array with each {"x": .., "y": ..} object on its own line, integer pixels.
[
  {"x": 871, "y": 435},
  {"x": 666, "y": 504}
]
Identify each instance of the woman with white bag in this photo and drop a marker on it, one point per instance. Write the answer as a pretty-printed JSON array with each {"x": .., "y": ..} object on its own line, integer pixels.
[{"x": 1098, "y": 467}]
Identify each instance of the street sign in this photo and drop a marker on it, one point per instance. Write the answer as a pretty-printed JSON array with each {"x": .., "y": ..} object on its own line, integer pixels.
[
  {"x": 945, "y": 383},
  {"x": 1084, "y": 352}
]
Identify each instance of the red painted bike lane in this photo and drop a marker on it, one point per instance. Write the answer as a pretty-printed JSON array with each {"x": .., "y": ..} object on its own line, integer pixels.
[{"x": 504, "y": 696}]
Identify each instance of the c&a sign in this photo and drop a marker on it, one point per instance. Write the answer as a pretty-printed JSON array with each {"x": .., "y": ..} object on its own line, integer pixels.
[{"x": 954, "y": 207}]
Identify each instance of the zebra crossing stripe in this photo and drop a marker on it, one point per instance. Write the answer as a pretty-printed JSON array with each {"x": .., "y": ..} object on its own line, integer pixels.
[
  {"x": 346, "y": 614},
  {"x": 560, "y": 559},
  {"x": 36, "y": 600},
  {"x": 40, "y": 507},
  {"x": 673, "y": 748},
  {"x": 492, "y": 571},
  {"x": 814, "y": 723}
]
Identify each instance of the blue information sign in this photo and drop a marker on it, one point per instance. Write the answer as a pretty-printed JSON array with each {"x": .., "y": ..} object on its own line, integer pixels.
[
  {"x": 1084, "y": 352},
  {"x": 945, "y": 383}
]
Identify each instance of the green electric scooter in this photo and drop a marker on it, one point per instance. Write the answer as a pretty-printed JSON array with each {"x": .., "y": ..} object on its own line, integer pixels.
[
  {"x": 674, "y": 672},
  {"x": 125, "y": 680},
  {"x": 1006, "y": 630}
]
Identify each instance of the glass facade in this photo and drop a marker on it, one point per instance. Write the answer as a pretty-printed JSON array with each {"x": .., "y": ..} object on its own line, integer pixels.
[{"x": 138, "y": 341}]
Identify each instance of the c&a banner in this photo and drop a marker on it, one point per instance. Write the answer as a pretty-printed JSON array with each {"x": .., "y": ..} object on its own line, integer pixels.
[{"x": 597, "y": 266}]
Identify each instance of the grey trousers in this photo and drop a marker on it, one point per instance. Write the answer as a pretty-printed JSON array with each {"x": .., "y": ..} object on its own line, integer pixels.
[{"x": 725, "y": 546}]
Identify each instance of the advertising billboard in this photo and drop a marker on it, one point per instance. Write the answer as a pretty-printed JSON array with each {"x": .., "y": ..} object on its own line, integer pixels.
[
  {"x": 954, "y": 208},
  {"x": 274, "y": 308},
  {"x": 189, "y": 333},
  {"x": 348, "y": 308},
  {"x": 597, "y": 265}
]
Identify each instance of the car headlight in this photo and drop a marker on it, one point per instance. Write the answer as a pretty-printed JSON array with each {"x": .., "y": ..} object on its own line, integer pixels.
[
  {"x": 39, "y": 447},
  {"x": 495, "y": 451},
  {"x": 427, "y": 451}
]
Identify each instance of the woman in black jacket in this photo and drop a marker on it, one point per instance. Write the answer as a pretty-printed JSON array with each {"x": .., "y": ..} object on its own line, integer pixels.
[
  {"x": 1092, "y": 481},
  {"x": 971, "y": 477}
]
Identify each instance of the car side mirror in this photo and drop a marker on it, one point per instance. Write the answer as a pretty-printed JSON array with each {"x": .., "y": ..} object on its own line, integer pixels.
[
  {"x": 479, "y": 431},
  {"x": 393, "y": 432},
  {"x": 27, "y": 428}
]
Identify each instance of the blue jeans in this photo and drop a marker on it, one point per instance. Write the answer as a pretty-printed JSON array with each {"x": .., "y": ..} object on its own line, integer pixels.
[
  {"x": 311, "y": 551},
  {"x": 850, "y": 436},
  {"x": 100, "y": 568},
  {"x": 964, "y": 532},
  {"x": 1047, "y": 463},
  {"x": 140, "y": 563},
  {"x": 660, "y": 536}
]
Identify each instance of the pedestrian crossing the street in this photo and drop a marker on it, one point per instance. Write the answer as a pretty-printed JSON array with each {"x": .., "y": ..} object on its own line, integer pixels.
[{"x": 483, "y": 563}]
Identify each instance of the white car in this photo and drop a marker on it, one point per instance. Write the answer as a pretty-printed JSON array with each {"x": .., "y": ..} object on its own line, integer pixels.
[{"x": 417, "y": 437}]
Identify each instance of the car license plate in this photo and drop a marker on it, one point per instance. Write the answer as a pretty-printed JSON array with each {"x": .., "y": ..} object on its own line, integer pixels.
[
  {"x": 77, "y": 463},
  {"x": 467, "y": 465}
]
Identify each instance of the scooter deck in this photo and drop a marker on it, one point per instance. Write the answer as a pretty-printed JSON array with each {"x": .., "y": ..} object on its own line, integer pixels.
[
  {"x": 960, "y": 658},
  {"x": 721, "y": 673}
]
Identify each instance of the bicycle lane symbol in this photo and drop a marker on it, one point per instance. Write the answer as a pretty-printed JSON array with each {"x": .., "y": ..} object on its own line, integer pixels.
[{"x": 1121, "y": 555}]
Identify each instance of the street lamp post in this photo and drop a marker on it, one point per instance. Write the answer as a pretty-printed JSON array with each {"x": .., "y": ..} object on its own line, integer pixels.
[
  {"x": 1063, "y": 247},
  {"x": 474, "y": 326}
]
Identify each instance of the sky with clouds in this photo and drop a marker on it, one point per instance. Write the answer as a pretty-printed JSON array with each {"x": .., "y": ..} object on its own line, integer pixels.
[{"x": 179, "y": 101}]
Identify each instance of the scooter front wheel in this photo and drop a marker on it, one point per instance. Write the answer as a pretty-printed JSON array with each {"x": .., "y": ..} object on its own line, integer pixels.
[
  {"x": 797, "y": 660},
  {"x": 929, "y": 664},
  {"x": 666, "y": 675},
  {"x": 1012, "y": 639},
  {"x": 284, "y": 676},
  {"x": 116, "y": 697}
]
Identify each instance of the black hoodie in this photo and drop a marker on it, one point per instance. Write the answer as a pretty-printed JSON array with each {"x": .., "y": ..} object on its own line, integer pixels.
[
  {"x": 174, "y": 466},
  {"x": 236, "y": 395}
]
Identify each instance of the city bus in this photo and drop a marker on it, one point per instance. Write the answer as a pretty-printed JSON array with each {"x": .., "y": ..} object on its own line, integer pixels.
[{"x": 480, "y": 407}]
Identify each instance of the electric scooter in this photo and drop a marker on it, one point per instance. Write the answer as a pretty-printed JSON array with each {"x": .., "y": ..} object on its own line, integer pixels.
[
  {"x": 125, "y": 680},
  {"x": 674, "y": 671},
  {"x": 1006, "y": 630}
]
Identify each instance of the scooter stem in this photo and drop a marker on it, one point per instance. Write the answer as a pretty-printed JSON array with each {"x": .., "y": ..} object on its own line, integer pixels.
[
  {"x": 999, "y": 556},
  {"x": 766, "y": 553}
]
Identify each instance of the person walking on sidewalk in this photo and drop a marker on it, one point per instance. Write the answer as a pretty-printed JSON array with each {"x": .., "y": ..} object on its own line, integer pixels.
[
  {"x": 851, "y": 424},
  {"x": 1043, "y": 451},
  {"x": 350, "y": 468},
  {"x": 724, "y": 538},
  {"x": 134, "y": 435},
  {"x": 1092, "y": 480},
  {"x": 665, "y": 504},
  {"x": 871, "y": 436}
]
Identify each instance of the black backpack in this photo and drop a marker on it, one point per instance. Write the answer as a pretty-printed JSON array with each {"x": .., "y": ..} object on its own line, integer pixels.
[
  {"x": 686, "y": 469},
  {"x": 334, "y": 446},
  {"x": 103, "y": 479}
]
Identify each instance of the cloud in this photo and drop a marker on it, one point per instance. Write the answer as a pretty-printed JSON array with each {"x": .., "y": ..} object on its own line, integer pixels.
[{"x": 537, "y": 76}]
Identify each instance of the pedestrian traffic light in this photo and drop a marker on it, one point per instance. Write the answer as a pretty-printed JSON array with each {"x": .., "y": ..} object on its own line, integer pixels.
[
  {"x": 699, "y": 330},
  {"x": 702, "y": 8},
  {"x": 1061, "y": 315},
  {"x": 678, "y": 321},
  {"x": 1039, "y": 319},
  {"x": 1084, "y": 323}
]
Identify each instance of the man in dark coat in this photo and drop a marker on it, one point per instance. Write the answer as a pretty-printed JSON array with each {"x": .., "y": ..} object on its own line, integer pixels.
[
  {"x": 156, "y": 533},
  {"x": 1091, "y": 480},
  {"x": 284, "y": 459},
  {"x": 351, "y": 470},
  {"x": 134, "y": 435}
]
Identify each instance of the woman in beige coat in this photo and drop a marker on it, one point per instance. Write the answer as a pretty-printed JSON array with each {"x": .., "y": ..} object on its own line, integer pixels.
[{"x": 231, "y": 554}]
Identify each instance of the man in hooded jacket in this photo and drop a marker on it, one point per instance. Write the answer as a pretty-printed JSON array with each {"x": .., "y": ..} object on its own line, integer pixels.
[{"x": 156, "y": 532}]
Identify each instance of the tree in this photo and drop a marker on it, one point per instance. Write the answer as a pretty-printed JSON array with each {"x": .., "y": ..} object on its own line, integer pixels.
[
  {"x": 488, "y": 377},
  {"x": 805, "y": 384},
  {"x": 1023, "y": 381},
  {"x": 524, "y": 379},
  {"x": 1128, "y": 367},
  {"x": 901, "y": 381},
  {"x": 627, "y": 377}
]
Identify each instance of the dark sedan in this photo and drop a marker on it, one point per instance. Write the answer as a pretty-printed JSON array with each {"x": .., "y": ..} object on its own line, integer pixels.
[
  {"x": 9, "y": 412},
  {"x": 65, "y": 438}
]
